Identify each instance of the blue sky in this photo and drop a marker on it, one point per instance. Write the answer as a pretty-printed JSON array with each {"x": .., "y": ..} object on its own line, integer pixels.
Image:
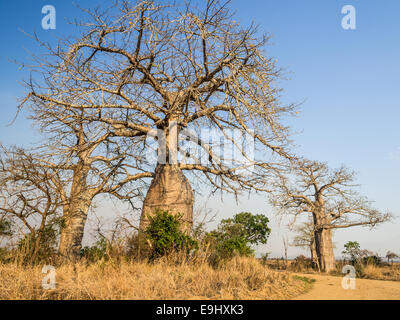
[{"x": 348, "y": 81}]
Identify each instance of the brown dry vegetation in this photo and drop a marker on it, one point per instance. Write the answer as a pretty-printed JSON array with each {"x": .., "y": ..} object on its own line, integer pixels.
[
  {"x": 386, "y": 272},
  {"x": 242, "y": 278}
]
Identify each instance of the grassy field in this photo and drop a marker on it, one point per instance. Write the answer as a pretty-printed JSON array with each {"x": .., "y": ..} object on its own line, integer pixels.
[{"x": 241, "y": 278}]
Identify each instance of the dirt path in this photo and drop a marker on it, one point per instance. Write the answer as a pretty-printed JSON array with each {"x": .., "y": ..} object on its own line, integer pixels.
[{"x": 330, "y": 288}]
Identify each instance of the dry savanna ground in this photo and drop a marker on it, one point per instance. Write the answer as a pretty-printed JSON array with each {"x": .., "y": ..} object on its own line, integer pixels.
[
  {"x": 328, "y": 287},
  {"x": 372, "y": 282},
  {"x": 242, "y": 278},
  {"x": 385, "y": 271}
]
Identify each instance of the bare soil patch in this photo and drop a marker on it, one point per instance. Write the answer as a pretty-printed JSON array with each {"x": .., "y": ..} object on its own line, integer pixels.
[{"x": 330, "y": 288}]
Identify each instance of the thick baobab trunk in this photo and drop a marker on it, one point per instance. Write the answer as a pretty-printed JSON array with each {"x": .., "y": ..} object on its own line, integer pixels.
[
  {"x": 314, "y": 256},
  {"x": 170, "y": 190},
  {"x": 75, "y": 215},
  {"x": 324, "y": 247},
  {"x": 325, "y": 253}
]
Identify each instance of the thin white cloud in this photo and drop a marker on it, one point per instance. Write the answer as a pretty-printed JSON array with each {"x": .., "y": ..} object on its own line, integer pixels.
[{"x": 395, "y": 155}]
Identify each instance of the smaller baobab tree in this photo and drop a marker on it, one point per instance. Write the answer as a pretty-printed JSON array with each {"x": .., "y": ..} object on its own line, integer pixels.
[
  {"x": 305, "y": 238},
  {"x": 52, "y": 195},
  {"x": 30, "y": 201},
  {"x": 329, "y": 196},
  {"x": 85, "y": 152}
]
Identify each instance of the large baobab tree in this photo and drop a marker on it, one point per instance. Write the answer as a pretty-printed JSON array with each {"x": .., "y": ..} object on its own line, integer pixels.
[
  {"x": 329, "y": 196},
  {"x": 146, "y": 69}
]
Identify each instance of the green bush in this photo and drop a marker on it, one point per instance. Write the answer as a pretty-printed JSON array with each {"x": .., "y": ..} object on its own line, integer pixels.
[
  {"x": 301, "y": 263},
  {"x": 5, "y": 227},
  {"x": 236, "y": 235},
  {"x": 372, "y": 260},
  {"x": 39, "y": 246},
  {"x": 96, "y": 252},
  {"x": 165, "y": 235}
]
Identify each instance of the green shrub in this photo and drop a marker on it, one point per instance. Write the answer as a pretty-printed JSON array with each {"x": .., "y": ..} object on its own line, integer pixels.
[
  {"x": 39, "y": 246},
  {"x": 352, "y": 251},
  {"x": 372, "y": 260},
  {"x": 301, "y": 263},
  {"x": 96, "y": 252},
  {"x": 5, "y": 227},
  {"x": 236, "y": 235},
  {"x": 165, "y": 235}
]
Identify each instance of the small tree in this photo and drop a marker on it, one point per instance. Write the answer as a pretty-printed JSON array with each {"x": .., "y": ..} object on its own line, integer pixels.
[
  {"x": 352, "y": 251},
  {"x": 78, "y": 163},
  {"x": 285, "y": 246},
  {"x": 391, "y": 255},
  {"x": 236, "y": 235}
]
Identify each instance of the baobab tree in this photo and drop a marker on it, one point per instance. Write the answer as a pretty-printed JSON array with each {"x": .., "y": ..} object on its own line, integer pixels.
[
  {"x": 29, "y": 197},
  {"x": 89, "y": 158},
  {"x": 305, "y": 238},
  {"x": 146, "y": 69},
  {"x": 329, "y": 196},
  {"x": 65, "y": 185}
]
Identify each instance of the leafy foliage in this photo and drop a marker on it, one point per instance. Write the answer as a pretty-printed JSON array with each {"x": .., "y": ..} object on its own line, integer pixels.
[
  {"x": 236, "y": 235},
  {"x": 5, "y": 228},
  {"x": 352, "y": 250},
  {"x": 372, "y": 260},
  {"x": 255, "y": 227},
  {"x": 40, "y": 245},
  {"x": 165, "y": 235},
  {"x": 96, "y": 252}
]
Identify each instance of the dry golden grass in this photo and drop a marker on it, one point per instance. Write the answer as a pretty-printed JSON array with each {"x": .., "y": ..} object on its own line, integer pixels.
[
  {"x": 372, "y": 272},
  {"x": 241, "y": 278},
  {"x": 382, "y": 273}
]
